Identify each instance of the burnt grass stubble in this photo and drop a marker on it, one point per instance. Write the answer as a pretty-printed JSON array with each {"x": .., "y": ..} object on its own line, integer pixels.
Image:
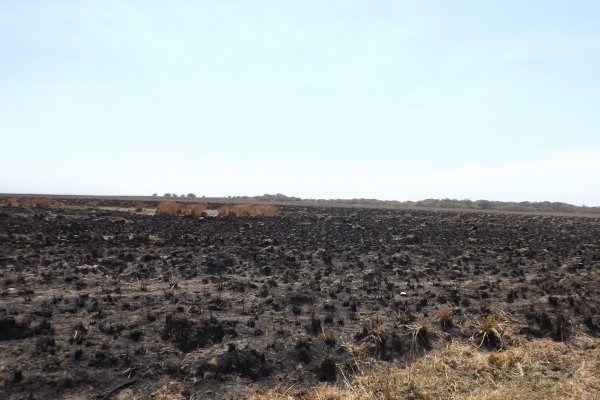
[{"x": 94, "y": 299}]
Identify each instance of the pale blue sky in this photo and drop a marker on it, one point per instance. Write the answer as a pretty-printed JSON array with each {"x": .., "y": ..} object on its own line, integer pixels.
[{"x": 386, "y": 99}]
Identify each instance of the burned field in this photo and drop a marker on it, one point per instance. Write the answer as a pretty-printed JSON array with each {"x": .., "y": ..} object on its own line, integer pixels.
[{"x": 93, "y": 302}]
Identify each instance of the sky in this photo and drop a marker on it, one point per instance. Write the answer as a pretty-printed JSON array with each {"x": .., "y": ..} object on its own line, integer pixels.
[{"x": 395, "y": 100}]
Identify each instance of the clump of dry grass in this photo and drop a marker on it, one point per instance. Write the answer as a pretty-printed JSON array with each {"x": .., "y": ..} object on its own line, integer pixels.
[
  {"x": 194, "y": 209},
  {"x": 139, "y": 207},
  {"x": 167, "y": 208},
  {"x": 238, "y": 210},
  {"x": 234, "y": 210},
  {"x": 531, "y": 371},
  {"x": 537, "y": 370},
  {"x": 272, "y": 394},
  {"x": 445, "y": 315},
  {"x": 42, "y": 203},
  {"x": 226, "y": 210},
  {"x": 404, "y": 317},
  {"x": 320, "y": 392},
  {"x": 169, "y": 391},
  {"x": 377, "y": 332},
  {"x": 172, "y": 208},
  {"x": 24, "y": 202},
  {"x": 329, "y": 338},
  {"x": 421, "y": 335},
  {"x": 503, "y": 359},
  {"x": 39, "y": 203},
  {"x": 264, "y": 210},
  {"x": 490, "y": 332},
  {"x": 325, "y": 392}
]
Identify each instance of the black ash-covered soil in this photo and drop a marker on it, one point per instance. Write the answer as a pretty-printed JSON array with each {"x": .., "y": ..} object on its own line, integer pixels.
[{"x": 93, "y": 299}]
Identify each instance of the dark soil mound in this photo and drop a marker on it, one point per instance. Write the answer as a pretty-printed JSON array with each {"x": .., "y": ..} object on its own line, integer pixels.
[
  {"x": 189, "y": 335},
  {"x": 10, "y": 329},
  {"x": 244, "y": 363}
]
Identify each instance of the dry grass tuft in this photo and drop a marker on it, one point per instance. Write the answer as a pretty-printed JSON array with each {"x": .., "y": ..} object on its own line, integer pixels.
[
  {"x": 532, "y": 371},
  {"x": 139, "y": 207},
  {"x": 377, "y": 332},
  {"x": 12, "y": 202},
  {"x": 421, "y": 335},
  {"x": 170, "y": 391},
  {"x": 504, "y": 359},
  {"x": 329, "y": 338},
  {"x": 264, "y": 210},
  {"x": 226, "y": 210},
  {"x": 238, "y": 210},
  {"x": 40, "y": 203},
  {"x": 194, "y": 209},
  {"x": 538, "y": 370},
  {"x": 43, "y": 203},
  {"x": 320, "y": 392},
  {"x": 24, "y": 202},
  {"x": 235, "y": 210},
  {"x": 271, "y": 395},
  {"x": 490, "y": 333},
  {"x": 325, "y": 392},
  {"x": 445, "y": 315},
  {"x": 167, "y": 208}
]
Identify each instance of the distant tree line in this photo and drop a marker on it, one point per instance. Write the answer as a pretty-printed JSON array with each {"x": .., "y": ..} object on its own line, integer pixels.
[
  {"x": 276, "y": 197},
  {"x": 541, "y": 206},
  {"x": 191, "y": 195},
  {"x": 524, "y": 206}
]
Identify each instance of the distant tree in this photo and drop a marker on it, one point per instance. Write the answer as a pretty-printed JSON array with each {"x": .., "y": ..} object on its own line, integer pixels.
[
  {"x": 484, "y": 204},
  {"x": 191, "y": 195},
  {"x": 277, "y": 197},
  {"x": 154, "y": 194},
  {"x": 167, "y": 195}
]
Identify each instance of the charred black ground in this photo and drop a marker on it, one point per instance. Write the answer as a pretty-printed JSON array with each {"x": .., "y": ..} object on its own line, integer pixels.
[{"x": 94, "y": 299}]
